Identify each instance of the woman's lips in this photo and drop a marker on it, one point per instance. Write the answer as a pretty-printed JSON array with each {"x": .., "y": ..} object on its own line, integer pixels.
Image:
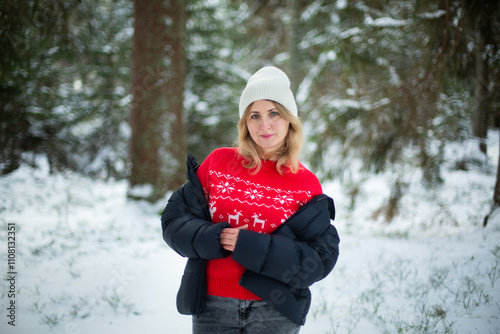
[{"x": 266, "y": 136}]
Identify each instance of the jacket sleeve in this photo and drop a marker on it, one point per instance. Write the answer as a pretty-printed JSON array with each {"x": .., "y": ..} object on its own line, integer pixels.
[
  {"x": 296, "y": 261},
  {"x": 186, "y": 231}
]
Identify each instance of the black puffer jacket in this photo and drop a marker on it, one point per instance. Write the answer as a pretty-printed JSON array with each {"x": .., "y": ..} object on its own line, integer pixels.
[{"x": 280, "y": 266}]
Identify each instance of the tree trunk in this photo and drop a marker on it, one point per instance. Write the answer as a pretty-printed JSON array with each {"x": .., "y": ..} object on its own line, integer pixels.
[
  {"x": 158, "y": 143},
  {"x": 480, "y": 117},
  {"x": 496, "y": 194}
]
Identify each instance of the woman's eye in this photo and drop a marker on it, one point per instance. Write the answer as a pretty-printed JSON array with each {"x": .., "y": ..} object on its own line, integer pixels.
[
  {"x": 254, "y": 116},
  {"x": 274, "y": 113}
]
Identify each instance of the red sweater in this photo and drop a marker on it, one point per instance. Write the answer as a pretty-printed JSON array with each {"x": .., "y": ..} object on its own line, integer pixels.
[{"x": 263, "y": 201}]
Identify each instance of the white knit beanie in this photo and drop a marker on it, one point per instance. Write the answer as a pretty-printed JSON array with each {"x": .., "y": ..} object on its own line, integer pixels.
[{"x": 268, "y": 83}]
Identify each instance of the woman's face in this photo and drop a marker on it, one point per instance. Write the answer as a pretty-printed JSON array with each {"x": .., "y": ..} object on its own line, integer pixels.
[{"x": 267, "y": 127}]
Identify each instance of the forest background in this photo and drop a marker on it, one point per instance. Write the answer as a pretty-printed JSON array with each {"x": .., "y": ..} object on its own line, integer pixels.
[{"x": 121, "y": 89}]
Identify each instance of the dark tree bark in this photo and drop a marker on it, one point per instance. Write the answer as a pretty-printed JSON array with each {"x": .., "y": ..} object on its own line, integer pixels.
[
  {"x": 496, "y": 194},
  {"x": 484, "y": 17},
  {"x": 481, "y": 117},
  {"x": 158, "y": 143}
]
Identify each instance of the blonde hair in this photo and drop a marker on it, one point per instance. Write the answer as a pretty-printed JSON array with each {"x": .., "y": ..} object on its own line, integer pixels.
[{"x": 287, "y": 156}]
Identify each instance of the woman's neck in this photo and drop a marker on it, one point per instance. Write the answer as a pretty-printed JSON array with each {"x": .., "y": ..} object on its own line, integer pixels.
[{"x": 269, "y": 156}]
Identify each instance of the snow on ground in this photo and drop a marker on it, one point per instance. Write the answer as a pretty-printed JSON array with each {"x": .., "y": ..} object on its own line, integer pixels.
[{"x": 90, "y": 261}]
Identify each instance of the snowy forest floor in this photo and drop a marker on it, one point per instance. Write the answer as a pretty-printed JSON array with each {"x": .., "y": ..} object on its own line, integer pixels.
[{"x": 87, "y": 260}]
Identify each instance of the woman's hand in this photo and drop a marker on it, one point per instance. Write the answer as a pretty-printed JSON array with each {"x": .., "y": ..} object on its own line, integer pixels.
[{"x": 229, "y": 236}]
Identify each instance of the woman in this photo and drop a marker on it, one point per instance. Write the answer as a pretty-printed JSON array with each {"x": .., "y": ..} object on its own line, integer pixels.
[{"x": 253, "y": 222}]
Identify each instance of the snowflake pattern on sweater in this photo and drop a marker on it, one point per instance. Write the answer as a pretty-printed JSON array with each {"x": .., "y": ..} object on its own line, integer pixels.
[
  {"x": 248, "y": 195},
  {"x": 262, "y": 201}
]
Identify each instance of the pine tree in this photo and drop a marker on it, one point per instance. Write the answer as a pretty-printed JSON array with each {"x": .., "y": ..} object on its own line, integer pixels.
[
  {"x": 64, "y": 75},
  {"x": 385, "y": 76}
]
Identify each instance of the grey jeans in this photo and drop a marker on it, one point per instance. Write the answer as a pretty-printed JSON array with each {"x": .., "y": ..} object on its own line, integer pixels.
[{"x": 232, "y": 316}]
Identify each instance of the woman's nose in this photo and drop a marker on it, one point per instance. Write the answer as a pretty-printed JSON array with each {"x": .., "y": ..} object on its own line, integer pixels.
[{"x": 266, "y": 123}]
